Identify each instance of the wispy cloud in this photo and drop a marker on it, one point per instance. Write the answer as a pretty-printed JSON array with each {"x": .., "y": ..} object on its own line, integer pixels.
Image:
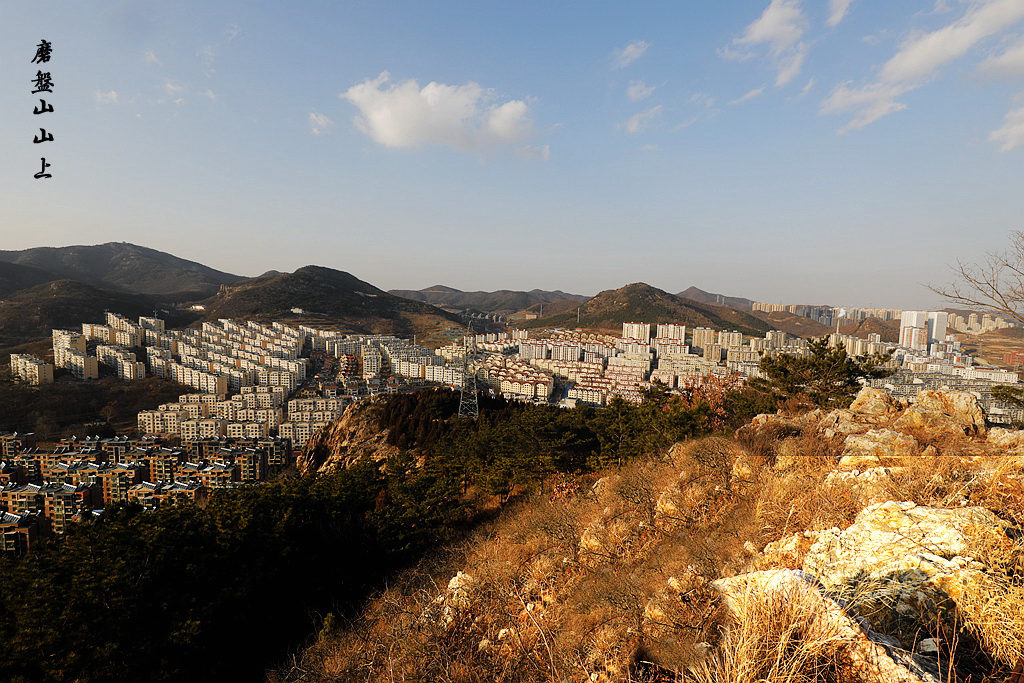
[
  {"x": 233, "y": 31},
  {"x": 918, "y": 60},
  {"x": 837, "y": 10},
  {"x": 466, "y": 117},
  {"x": 807, "y": 88},
  {"x": 780, "y": 28},
  {"x": 207, "y": 55},
  {"x": 319, "y": 123},
  {"x": 209, "y": 94},
  {"x": 171, "y": 88},
  {"x": 1010, "y": 135},
  {"x": 539, "y": 152},
  {"x": 638, "y": 90},
  {"x": 702, "y": 99},
  {"x": 748, "y": 96},
  {"x": 151, "y": 58},
  {"x": 623, "y": 57},
  {"x": 639, "y": 121},
  {"x": 108, "y": 97},
  {"x": 1009, "y": 63}
]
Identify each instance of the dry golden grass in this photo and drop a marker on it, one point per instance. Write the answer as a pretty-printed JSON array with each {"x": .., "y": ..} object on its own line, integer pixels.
[
  {"x": 781, "y": 637},
  {"x": 614, "y": 580}
]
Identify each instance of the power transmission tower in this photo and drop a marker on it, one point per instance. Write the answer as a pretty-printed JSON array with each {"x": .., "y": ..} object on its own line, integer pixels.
[{"x": 468, "y": 402}]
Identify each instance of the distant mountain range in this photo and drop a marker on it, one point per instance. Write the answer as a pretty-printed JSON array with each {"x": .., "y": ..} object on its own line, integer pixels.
[
  {"x": 500, "y": 301},
  {"x": 640, "y": 302},
  {"x": 737, "y": 302},
  {"x": 328, "y": 295},
  {"x": 116, "y": 266},
  {"x": 49, "y": 287}
]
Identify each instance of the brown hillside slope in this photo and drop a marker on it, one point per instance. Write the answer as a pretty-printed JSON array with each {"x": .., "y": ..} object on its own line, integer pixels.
[
  {"x": 640, "y": 302},
  {"x": 872, "y": 544},
  {"x": 330, "y": 296}
]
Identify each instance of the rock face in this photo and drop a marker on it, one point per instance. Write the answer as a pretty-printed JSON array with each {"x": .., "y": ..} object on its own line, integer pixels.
[
  {"x": 943, "y": 415},
  {"x": 878, "y": 426},
  {"x": 356, "y": 434},
  {"x": 879, "y": 444},
  {"x": 896, "y": 560},
  {"x": 876, "y": 403},
  {"x": 798, "y": 597}
]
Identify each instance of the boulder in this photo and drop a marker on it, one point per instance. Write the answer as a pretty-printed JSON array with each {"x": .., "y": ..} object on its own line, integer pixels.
[
  {"x": 875, "y": 403},
  {"x": 879, "y": 443},
  {"x": 843, "y": 422},
  {"x": 896, "y": 559},
  {"x": 1006, "y": 439},
  {"x": 798, "y": 595},
  {"x": 943, "y": 415}
]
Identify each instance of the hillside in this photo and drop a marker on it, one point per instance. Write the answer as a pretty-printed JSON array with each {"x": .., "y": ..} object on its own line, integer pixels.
[
  {"x": 878, "y": 544},
  {"x": 328, "y": 296},
  {"x": 640, "y": 302},
  {"x": 737, "y": 302},
  {"x": 807, "y": 328},
  {"x": 124, "y": 267},
  {"x": 500, "y": 301},
  {"x": 14, "y": 277},
  {"x": 32, "y": 313}
]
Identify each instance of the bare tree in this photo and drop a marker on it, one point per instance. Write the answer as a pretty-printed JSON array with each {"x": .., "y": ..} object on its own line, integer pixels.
[{"x": 996, "y": 285}]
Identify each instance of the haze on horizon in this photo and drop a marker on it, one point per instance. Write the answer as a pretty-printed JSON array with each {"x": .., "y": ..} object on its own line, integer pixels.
[{"x": 781, "y": 150}]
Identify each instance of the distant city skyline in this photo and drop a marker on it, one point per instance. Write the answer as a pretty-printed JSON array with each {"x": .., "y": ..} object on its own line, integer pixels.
[{"x": 842, "y": 153}]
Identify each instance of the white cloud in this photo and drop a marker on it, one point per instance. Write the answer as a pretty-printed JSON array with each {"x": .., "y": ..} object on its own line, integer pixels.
[
  {"x": 918, "y": 59},
  {"x": 638, "y": 90},
  {"x": 108, "y": 97},
  {"x": 807, "y": 88},
  {"x": 623, "y": 57},
  {"x": 686, "y": 124},
  {"x": 172, "y": 88},
  {"x": 837, "y": 11},
  {"x": 706, "y": 101},
  {"x": 207, "y": 55},
  {"x": 464, "y": 117},
  {"x": 637, "y": 122},
  {"x": 749, "y": 96},
  {"x": 319, "y": 123},
  {"x": 650, "y": 148},
  {"x": 780, "y": 27},
  {"x": 232, "y": 31},
  {"x": 540, "y": 153},
  {"x": 151, "y": 58},
  {"x": 1010, "y": 63},
  {"x": 1011, "y": 134},
  {"x": 209, "y": 94}
]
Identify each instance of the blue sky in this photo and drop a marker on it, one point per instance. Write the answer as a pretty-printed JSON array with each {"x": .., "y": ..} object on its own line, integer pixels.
[{"x": 831, "y": 151}]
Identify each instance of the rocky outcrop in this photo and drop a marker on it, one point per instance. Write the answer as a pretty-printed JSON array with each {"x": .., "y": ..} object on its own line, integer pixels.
[
  {"x": 896, "y": 560},
  {"x": 940, "y": 415},
  {"x": 799, "y": 603},
  {"x": 354, "y": 435}
]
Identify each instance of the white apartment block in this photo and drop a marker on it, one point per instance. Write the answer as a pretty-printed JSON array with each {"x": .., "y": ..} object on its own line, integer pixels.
[
  {"x": 671, "y": 331},
  {"x": 30, "y": 369},
  {"x": 640, "y": 331},
  {"x": 78, "y": 364},
  {"x": 69, "y": 339}
]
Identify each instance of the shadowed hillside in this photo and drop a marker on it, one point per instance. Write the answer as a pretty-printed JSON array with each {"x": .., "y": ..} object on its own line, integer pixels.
[
  {"x": 329, "y": 296},
  {"x": 642, "y": 302},
  {"x": 500, "y": 301},
  {"x": 124, "y": 267}
]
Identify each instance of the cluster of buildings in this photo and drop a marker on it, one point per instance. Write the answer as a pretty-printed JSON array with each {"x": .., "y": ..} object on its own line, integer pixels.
[
  {"x": 43, "y": 490},
  {"x": 977, "y": 324}
]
